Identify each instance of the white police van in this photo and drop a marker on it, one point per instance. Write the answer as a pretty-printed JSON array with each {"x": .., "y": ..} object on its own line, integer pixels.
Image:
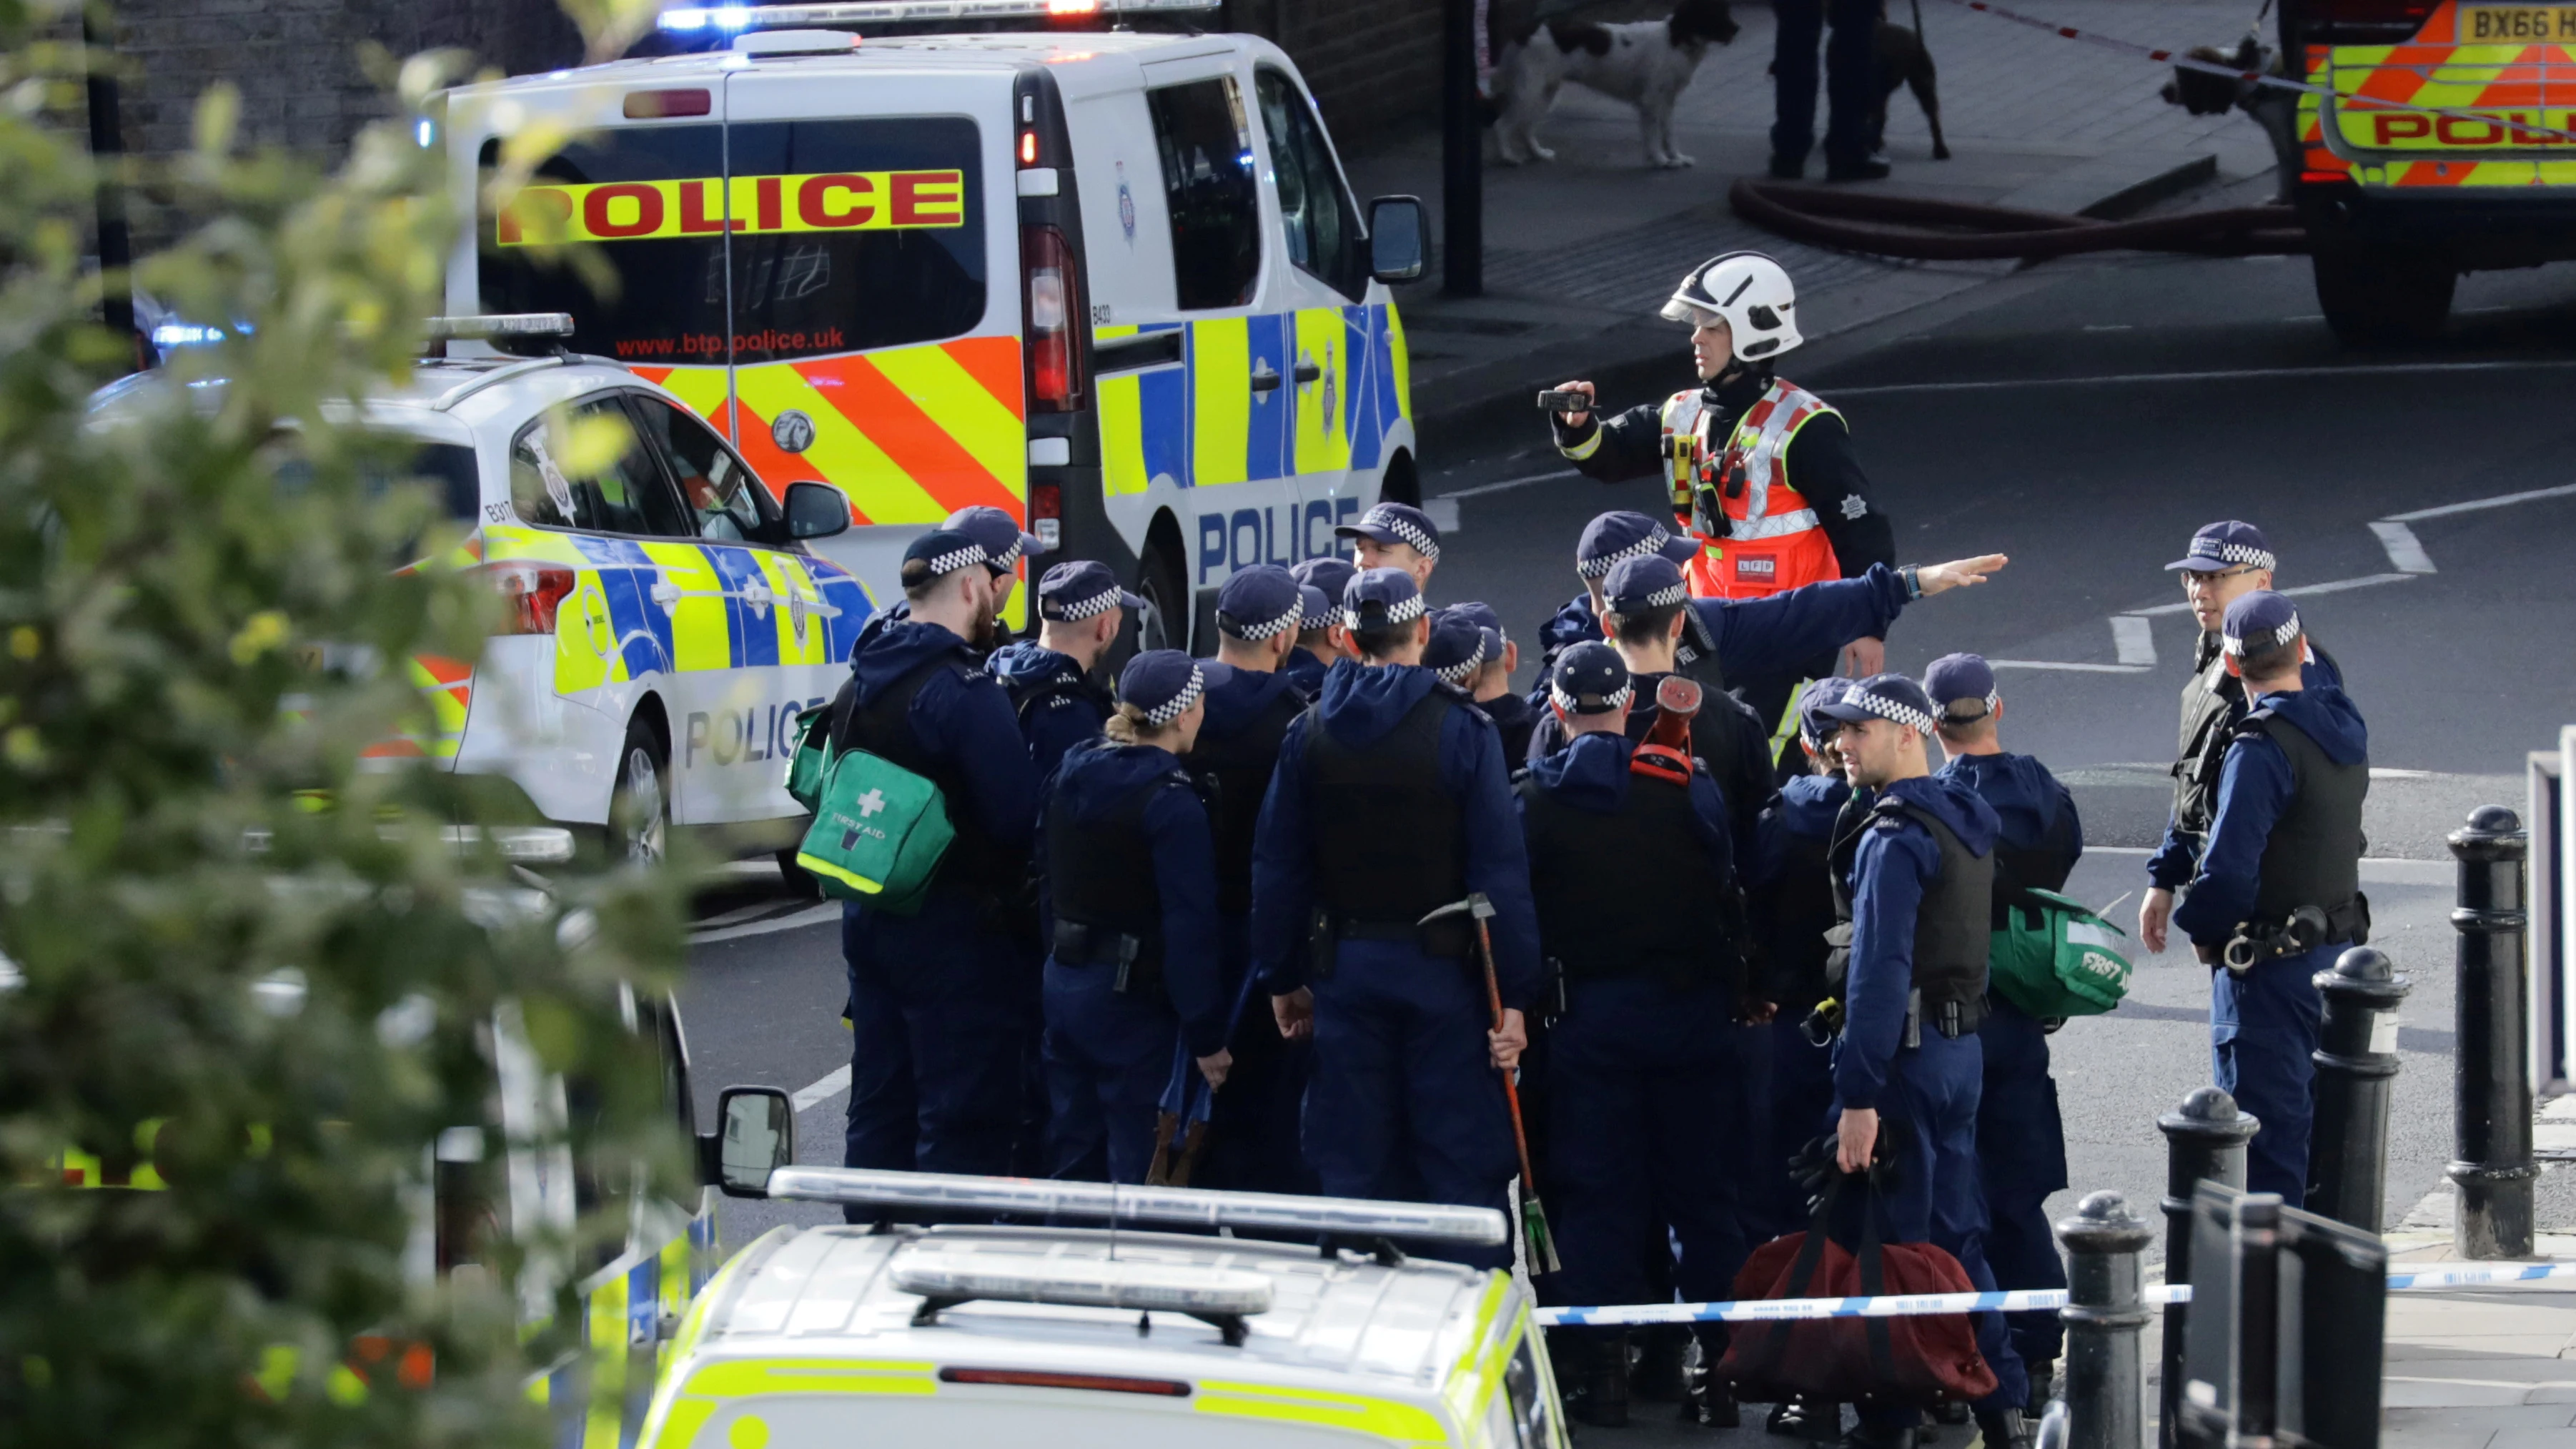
[{"x": 1112, "y": 282}]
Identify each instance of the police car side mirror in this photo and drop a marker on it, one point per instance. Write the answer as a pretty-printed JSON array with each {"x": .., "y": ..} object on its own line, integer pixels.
[
  {"x": 757, "y": 1137},
  {"x": 1396, "y": 233},
  {"x": 816, "y": 510}
]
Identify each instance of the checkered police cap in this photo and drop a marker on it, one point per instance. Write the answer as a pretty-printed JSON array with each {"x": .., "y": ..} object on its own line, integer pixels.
[
  {"x": 1173, "y": 708},
  {"x": 1613, "y": 538},
  {"x": 1888, "y": 697},
  {"x": 1357, "y": 616},
  {"x": 2263, "y": 619},
  {"x": 1457, "y": 648},
  {"x": 1396, "y": 523},
  {"x": 1161, "y": 684}
]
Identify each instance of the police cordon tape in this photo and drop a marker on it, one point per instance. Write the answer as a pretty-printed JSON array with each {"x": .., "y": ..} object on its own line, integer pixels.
[
  {"x": 2023, "y": 1301},
  {"x": 2264, "y": 78}
]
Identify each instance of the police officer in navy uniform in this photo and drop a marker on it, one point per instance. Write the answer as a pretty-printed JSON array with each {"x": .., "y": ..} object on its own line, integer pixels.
[
  {"x": 1005, "y": 546},
  {"x": 2021, "y": 1140},
  {"x": 1391, "y": 801},
  {"x": 1080, "y": 611},
  {"x": 2278, "y": 893},
  {"x": 1252, "y": 1129},
  {"x": 2227, "y": 560},
  {"x": 1131, "y": 904},
  {"x": 1394, "y": 536},
  {"x": 1792, "y": 906},
  {"x": 1491, "y": 685},
  {"x": 1642, "y": 1081},
  {"x": 941, "y": 1001},
  {"x": 1318, "y": 644},
  {"x": 1914, "y": 882}
]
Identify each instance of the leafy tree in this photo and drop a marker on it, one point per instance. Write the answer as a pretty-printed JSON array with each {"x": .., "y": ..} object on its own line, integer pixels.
[{"x": 244, "y": 950}]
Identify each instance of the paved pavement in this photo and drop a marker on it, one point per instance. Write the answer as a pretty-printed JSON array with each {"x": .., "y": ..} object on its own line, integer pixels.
[{"x": 1581, "y": 250}]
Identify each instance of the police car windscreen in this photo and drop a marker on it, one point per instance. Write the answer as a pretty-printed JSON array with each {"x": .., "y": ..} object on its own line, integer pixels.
[{"x": 825, "y": 236}]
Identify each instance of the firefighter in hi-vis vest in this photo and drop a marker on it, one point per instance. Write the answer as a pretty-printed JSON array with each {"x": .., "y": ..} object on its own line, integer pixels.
[{"x": 1759, "y": 470}]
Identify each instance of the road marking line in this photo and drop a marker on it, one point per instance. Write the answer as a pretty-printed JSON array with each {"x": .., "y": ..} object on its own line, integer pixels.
[
  {"x": 2159, "y": 610},
  {"x": 831, "y": 1084},
  {"x": 2405, "y": 550},
  {"x": 810, "y": 916},
  {"x": 2337, "y": 586},
  {"x": 2070, "y": 668},
  {"x": 2476, "y": 504},
  {"x": 1512, "y": 483},
  {"x": 1443, "y": 512},
  {"x": 2234, "y": 374},
  {"x": 2135, "y": 639}
]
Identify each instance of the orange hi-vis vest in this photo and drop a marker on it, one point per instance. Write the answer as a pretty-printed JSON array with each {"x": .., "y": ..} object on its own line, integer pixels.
[{"x": 1757, "y": 534}]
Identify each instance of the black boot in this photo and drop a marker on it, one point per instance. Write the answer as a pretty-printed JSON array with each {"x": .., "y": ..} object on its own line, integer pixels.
[
  {"x": 1863, "y": 169},
  {"x": 2005, "y": 1429},
  {"x": 1862, "y": 1436},
  {"x": 1603, "y": 1398},
  {"x": 2043, "y": 1382},
  {"x": 1788, "y": 168},
  {"x": 1658, "y": 1377}
]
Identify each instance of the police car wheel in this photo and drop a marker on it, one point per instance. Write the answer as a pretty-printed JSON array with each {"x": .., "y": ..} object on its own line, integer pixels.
[
  {"x": 1164, "y": 622},
  {"x": 639, "y": 810},
  {"x": 2379, "y": 295}
]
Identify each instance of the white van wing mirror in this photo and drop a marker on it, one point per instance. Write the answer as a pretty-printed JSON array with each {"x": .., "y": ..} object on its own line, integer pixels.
[
  {"x": 755, "y": 1136},
  {"x": 1398, "y": 238}
]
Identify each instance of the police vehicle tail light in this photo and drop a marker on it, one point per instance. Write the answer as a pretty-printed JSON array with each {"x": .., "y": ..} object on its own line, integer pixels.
[
  {"x": 700, "y": 20},
  {"x": 533, "y": 591},
  {"x": 1046, "y": 514},
  {"x": 1054, "y": 299},
  {"x": 954, "y": 1277},
  {"x": 501, "y": 324},
  {"x": 1201, "y": 1207}
]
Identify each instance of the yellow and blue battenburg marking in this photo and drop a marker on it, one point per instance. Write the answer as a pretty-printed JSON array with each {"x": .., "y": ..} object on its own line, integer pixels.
[{"x": 1201, "y": 425}]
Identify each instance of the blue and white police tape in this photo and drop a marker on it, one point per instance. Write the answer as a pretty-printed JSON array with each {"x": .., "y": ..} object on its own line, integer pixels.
[{"x": 2022, "y": 1301}]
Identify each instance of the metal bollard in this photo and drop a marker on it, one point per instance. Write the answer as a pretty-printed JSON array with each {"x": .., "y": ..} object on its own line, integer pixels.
[
  {"x": 2104, "y": 1313},
  {"x": 2205, "y": 1142},
  {"x": 2356, "y": 1061},
  {"x": 2492, "y": 1130}
]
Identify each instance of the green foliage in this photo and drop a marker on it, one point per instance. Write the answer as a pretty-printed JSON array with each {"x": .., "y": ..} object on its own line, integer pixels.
[{"x": 235, "y": 943}]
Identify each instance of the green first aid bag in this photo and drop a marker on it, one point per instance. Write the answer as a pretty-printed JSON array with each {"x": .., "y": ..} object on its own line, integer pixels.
[
  {"x": 811, "y": 758},
  {"x": 878, "y": 835},
  {"x": 2057, "y": 957}
]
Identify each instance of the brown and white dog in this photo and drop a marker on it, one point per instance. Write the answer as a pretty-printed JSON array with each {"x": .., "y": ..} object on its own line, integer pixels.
[{"x": 1646, "y": 63}]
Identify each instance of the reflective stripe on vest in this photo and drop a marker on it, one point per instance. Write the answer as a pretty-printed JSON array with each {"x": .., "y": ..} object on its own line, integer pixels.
[{"x": 1769, "y": 510}]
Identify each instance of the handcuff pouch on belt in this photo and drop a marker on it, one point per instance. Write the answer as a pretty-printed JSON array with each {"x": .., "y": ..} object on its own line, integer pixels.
[
  {"x": 2302, "y": 930},
  {"x": 1080, "y": 944}
]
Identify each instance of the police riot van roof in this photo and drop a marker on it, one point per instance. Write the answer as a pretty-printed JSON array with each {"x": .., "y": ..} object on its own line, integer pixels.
[{"x": 1383, "y": 1345}]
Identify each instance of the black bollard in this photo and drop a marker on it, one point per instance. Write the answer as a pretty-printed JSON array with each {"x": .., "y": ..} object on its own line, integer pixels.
[
  {"x": 2492, "y": 1121},
  {"x": 2205, "y": 1142},
  {"x": 2104, "y": 1314},
  {"x": 2356, "y": 1061}
]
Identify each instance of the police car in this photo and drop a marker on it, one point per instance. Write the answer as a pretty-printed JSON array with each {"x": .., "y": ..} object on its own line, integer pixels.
[
  {"x": 665, "y": 621},
  {"x": 2472, "y": 175},
  {"x": 1112, "y": 282},
  {"x": 1091, "y": 1338}
]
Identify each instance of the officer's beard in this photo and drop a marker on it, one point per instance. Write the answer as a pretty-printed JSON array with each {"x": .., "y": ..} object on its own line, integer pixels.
[{"x": 988, "y": 631}]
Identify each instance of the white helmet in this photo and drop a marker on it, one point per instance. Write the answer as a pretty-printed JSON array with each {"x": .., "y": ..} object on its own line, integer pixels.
[{"x": 1751, "y": 292}]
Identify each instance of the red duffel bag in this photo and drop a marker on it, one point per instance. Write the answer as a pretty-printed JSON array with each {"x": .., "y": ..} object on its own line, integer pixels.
[{"x": 1922, "y": 1360}]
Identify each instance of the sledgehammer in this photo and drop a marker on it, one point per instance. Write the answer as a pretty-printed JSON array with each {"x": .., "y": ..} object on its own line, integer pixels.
[{"x": 1542, "y": 1243}]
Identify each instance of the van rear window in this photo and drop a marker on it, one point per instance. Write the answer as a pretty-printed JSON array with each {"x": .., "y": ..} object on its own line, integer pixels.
[{"x": 825, "y": 236}]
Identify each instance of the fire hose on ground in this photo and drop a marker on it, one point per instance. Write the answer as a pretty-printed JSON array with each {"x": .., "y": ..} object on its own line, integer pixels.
[{"x": 1923, "y": 229}]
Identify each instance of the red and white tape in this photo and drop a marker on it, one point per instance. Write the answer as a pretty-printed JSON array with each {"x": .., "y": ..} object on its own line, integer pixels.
[{"x": 2262, "y": 78}]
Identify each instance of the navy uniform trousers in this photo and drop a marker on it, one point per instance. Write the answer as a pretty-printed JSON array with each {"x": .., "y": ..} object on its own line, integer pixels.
[
  {"x": 1108, "y": 1057},
  {"x": 1252, "y": 1125},
  {"x": 941, "y": 1005},
  {"x": 1404, "y": 1090},
  {"x": 2021, "y": 1153},
  {"x": 1929, "y": 1108},
  {"x": 1646, "y": 1099},
  {"x": 2262, "y": 1028}
]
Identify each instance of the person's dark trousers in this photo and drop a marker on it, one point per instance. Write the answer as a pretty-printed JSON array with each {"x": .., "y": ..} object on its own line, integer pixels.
[
  {"x": 1404, "y": 1102},
  {"x": 1108, "y": 1058},
  {"x": 1645, "y": 1093},
  {"x": 1929, "y": 1109},
  {"x": 938, "y": 1017},
  {"x": 2021, "y": 1151},
  {"x": 1252, "y": 1128},
  {"x": 1851, "y": 78},
  {"x": 1753, "y": 1132},
  {"x": 1802, "y": 1109},
  {"x": 2263, "y": 1026}
]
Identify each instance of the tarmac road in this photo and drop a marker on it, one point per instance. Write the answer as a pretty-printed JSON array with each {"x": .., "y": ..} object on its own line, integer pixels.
[{"x": 2084, "y": 419}]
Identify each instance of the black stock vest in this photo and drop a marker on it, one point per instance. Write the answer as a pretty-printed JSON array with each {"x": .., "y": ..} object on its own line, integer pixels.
[
  {"x": 1237, "y": 767},
  {"x": 1802, "y": 906},
  {"x": 1951, "y": 927},
  {"x": 1100, "y": 879},
  {"x": 1389, "y": 840},
  {"x": 2313, "y": 855},
  {"x": 1631, "y": 891},
  {"x": 975, "y": 861},
  {"x": 2212, "y": 702}
]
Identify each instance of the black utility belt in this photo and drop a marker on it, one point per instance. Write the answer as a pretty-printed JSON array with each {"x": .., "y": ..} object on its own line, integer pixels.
[
  {"x": 2303, "y": 929},
  {"x": 1440, "y": 938},
  {"x": 1078, "y": 943},
  {"x": 1952, "y": 1019}
]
